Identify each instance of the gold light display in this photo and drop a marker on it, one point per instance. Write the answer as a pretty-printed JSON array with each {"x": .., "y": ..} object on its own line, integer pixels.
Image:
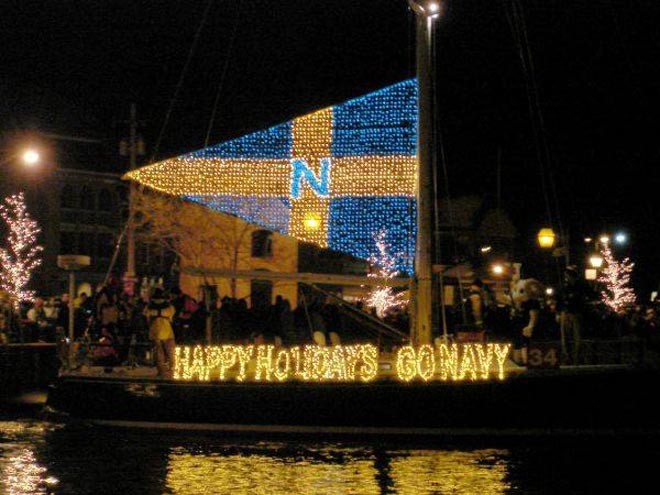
[
  {"x": 333, "y": 177},
  {"x": 341, "y": 363}
]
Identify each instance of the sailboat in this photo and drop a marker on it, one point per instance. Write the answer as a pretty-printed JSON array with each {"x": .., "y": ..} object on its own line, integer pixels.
[{"x": 419, "y": 387}]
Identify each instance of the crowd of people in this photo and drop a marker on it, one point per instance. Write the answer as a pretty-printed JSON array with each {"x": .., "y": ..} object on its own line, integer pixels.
[
  {"x": 575, "y": 313},
  {"x": 113, "y": 322}
]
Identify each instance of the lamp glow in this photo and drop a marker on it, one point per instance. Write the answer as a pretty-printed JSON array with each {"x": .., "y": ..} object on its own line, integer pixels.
[
  {"x": 604, "y": 239},
  {"x": 546, "y": 238},
  {"x": 621, "y": 238},
  {"x": 312, "y": 222},
  {"x": 30, "y": 157},
  {"x": 596, "y": 260},
  {"x": 498, "y": 269}
]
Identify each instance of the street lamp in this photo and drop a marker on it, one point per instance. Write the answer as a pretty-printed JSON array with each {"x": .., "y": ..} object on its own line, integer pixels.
[
  {"x": 30, "y": 156},
  {"x": 604, "y": 239},
  {"x": 620, "y": 238},
  {"x": 546, "y": 238},
  {"x": 426, "y": 8},
  {"x": 596, "y": 260},
  {"x": 498, "y": 269}
]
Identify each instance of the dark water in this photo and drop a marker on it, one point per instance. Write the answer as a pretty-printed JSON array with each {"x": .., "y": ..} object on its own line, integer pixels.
[{"x": 42, "y": 457}]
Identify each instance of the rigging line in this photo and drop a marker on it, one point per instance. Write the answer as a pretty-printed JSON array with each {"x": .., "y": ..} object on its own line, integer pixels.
[
  {"x": 223, "y": 74},
  {"x": 512, "y": 20},
  {"x": 182, "y": 76},
  {"x": 519, "y": 27},
  {"x": 436, "y": 193},
  {"x": 541, "y": 119},
  {"x": 452, "y": 227}
]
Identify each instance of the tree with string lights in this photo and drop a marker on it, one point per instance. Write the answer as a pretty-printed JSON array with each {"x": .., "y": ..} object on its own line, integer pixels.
[
  {"x": 20, "y": 256},
  {"x": 617, "y": 294},
  {"x": 383, "y": 298}
]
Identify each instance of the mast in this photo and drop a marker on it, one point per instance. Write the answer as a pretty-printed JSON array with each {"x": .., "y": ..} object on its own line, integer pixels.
[{"x": 427, "y": 12}]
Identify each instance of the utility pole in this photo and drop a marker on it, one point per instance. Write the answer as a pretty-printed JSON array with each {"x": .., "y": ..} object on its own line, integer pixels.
[{"x": 427, "y": 12}]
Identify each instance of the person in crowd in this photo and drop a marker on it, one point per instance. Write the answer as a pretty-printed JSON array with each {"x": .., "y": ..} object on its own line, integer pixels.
[
  {"x": 475, "y": 305},
  {"x": 571, "y": 304},
  {"x": 526, "y": 297},
  {"x": 105, "y": 353},
  {"x": 36, "y": 313},
  {"x": 185, "y": 308},
  {"x": 37, "y": 321},
  {"x": 109, "y": 314},
  {"x": 160, "y": 313},
  {"x": 62, "y": 321},
  {"x": 51, "y": 310}
]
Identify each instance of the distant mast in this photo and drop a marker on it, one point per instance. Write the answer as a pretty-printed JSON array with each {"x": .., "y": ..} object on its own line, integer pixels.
[{"x": 427, "y": 13}]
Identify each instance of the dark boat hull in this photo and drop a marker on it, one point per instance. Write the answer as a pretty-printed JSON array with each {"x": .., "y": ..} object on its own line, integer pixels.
[{"x": 578, "y": 401}]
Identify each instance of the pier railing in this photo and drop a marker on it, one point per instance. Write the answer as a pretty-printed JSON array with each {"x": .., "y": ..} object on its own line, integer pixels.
[{"x": 624, "y": 351}]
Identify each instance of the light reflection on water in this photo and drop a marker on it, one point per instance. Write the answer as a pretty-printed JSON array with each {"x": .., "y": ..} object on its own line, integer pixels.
[
  {"x": 339, "y": 470},
  {"x": 44, "y": 458}
]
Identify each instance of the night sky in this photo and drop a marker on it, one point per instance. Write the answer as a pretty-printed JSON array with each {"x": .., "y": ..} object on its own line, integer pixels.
[{"x": 74, "y": 67}]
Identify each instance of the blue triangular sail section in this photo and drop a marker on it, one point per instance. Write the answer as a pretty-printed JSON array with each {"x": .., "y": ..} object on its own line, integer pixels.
[
  {"x": 380, "y": 123},
  {"x": 274, "y": 142}
]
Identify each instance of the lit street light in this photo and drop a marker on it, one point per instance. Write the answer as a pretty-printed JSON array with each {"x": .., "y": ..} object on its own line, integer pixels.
[
  {"x": 604, "y": 239},
  {"x": 620, "y": 238},
  {"x": 596, "y": 260},
  {"x": 546, "y": 238},
  {"x": 498, "y": 269},
  {"x": 30, "y": 156}
]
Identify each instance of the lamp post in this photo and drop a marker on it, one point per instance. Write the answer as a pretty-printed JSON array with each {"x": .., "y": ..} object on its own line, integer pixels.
[{"x": 427, "y": 12}]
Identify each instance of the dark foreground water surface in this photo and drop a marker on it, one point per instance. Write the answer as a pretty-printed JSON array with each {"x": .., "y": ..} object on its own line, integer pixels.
[{"x": 42, "y": 457}]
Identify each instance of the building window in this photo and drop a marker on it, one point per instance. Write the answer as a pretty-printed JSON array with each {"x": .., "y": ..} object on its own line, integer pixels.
[
  {"x": 86, "y": 198},
  {"x": 68, "y": 243},
  {"x": 69, "y": 197},
  {"x": 86, "y": 243},
  {"x": 105, "y": 245},
  {"x": 106, "y": 200},
  {"x": 262, "y": 244}
]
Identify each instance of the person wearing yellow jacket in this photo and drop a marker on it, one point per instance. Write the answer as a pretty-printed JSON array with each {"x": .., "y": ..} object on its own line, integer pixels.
[{"x": 159, "y": 313}]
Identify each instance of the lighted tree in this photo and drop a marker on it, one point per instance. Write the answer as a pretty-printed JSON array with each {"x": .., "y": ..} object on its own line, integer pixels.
[
  {"x": 617, "y": 294},
  {"x": 20, "y": 256},
  {"x": 383, "y": 298}
]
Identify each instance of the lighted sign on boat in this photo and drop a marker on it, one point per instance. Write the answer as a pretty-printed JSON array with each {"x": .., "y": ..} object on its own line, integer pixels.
[{"x": 341, "y": 363}]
